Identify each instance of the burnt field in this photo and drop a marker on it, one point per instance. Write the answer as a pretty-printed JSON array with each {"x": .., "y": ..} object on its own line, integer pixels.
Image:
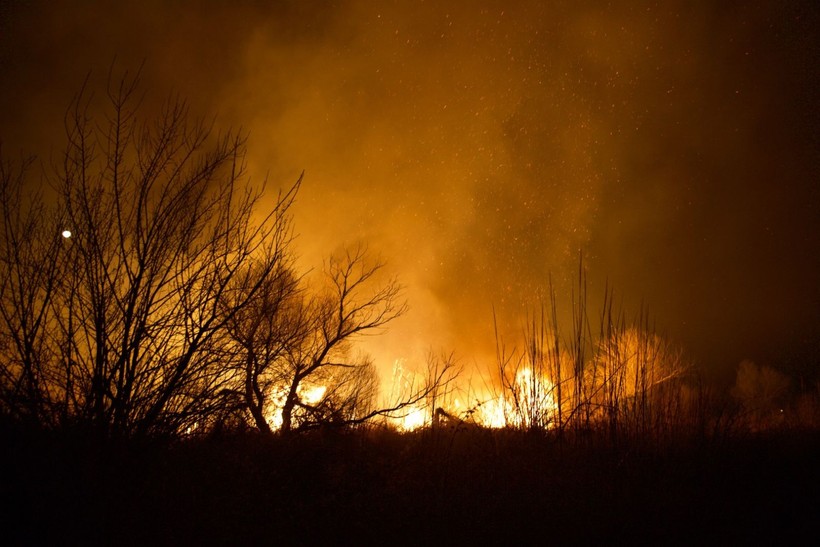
[{"x": 462, "y": 485}]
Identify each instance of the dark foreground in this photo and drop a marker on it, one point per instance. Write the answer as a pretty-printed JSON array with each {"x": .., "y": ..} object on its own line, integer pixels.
[{"x": 461, "y": 487}]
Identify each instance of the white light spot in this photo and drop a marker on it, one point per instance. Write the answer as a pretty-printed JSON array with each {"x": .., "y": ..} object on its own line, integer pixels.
[{"x": 66, "y": 234}]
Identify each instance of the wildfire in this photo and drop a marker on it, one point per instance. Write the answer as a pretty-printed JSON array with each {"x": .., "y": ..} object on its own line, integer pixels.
[
  {"x": 416, "y": 418},
  {"x": 526, "y": 401},
  {"x": 491, "y": 412},
  {"x": 308, "y": 394},
  {"x": 312, "y": 395}
]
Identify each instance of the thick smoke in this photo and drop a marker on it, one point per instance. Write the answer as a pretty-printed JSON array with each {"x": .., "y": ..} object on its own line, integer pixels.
[{"x": 481, "y": 147}]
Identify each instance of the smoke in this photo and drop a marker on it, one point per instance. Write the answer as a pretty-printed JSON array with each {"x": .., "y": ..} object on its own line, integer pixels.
[{"x": 481, "y": 147}]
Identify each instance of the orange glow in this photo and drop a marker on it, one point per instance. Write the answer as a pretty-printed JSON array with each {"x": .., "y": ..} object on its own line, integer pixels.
[
  {"x": 635, "y": 361},
  {"x": 312, "y": 395},
  {"x": 479, "y": 148},
  {"x": 529, "y": 402},
  {"x": 532, "y": 401},
  {"x": 308, "y": 394},
  {"x": 403, "y": 383},
  {"x": 416, "y": 418},
  {"x": 491, "y": 412}
]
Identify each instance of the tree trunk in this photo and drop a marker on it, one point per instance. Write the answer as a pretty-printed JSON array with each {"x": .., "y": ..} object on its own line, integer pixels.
[
  {"x": 287, "y": 408},
  {"x": 253, "y": 395}
]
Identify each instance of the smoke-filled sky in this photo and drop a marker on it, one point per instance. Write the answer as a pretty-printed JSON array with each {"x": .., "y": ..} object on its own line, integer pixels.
[{"x": 481, "y": 147}]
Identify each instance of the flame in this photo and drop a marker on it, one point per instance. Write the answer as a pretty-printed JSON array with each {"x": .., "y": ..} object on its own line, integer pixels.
[
  {"x": 312, "y": 395},
  {"x": 414, "y": 419},
  {"x": 403, "y": 383},
  {"x": 491, "y": 412},
  {"x": 527, "y": 402},
  {"x": 532, "y": 400},
  {"x": 309, "y": 394}
]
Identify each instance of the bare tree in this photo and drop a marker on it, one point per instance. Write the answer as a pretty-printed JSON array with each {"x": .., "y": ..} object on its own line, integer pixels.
[
  {"x": 292, "y": 342},
  {"x": 162, "y": 225},
  {"x": 300, "y": 366},
  {"x": 265, "y": 333},
  {"x": 175, "y": 301},
  {"x": 32, "y": 258}
]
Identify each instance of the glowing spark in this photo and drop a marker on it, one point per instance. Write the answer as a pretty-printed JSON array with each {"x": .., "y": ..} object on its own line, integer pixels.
[{"x": 66, "y": 234}]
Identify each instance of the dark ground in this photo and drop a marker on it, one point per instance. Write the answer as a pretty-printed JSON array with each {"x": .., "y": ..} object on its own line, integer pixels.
[{"x": 461, "y": 487}]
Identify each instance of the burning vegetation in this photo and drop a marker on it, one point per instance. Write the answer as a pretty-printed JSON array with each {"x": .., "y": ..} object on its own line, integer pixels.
[
  {"x": 172, "y": 305},
  {"x": 168, "y": 332}
]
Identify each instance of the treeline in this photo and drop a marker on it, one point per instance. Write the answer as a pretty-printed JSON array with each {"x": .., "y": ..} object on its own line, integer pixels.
[
  {"x": 610, "y": 376},
  {"x": 148, "y": 288}
]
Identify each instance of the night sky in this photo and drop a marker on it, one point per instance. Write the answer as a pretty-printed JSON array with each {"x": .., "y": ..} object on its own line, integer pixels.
[{"x": 480, "y": 147}]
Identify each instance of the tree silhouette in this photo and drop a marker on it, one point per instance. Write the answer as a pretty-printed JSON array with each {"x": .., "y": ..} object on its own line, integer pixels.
[
  {"x": 119, "y": 327},
  {"x": 297, "y": 358},
  {"x": 31, "y": 259},
  {"x": 171, "y": 301}
]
